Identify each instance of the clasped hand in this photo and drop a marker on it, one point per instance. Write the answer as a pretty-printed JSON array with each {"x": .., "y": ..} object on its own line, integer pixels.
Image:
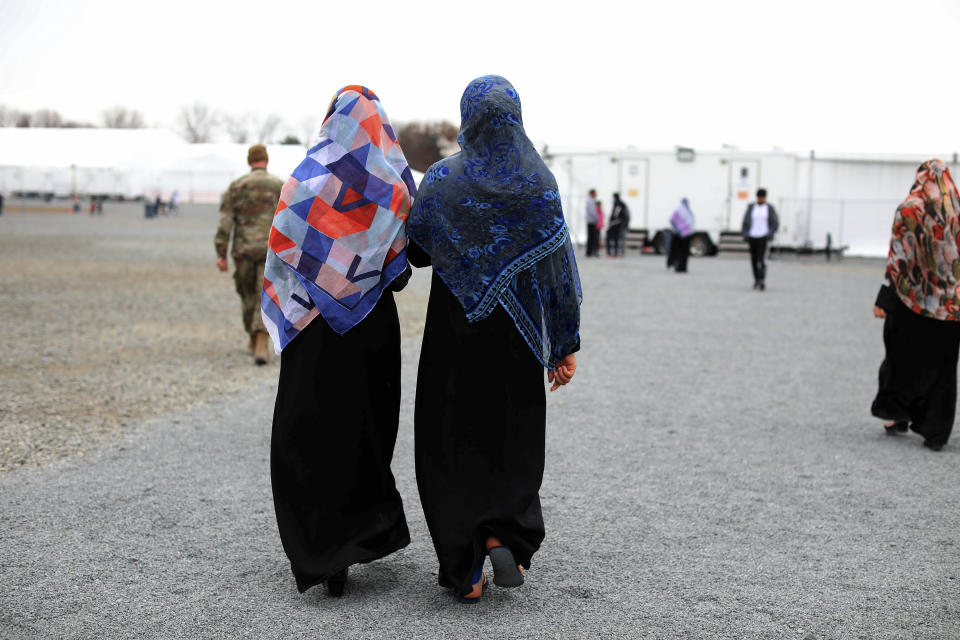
[{"x": 564, "y": 372}]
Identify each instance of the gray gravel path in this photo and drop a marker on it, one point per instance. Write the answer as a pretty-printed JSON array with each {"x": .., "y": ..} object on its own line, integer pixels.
[{"x": 712, "y": 472}]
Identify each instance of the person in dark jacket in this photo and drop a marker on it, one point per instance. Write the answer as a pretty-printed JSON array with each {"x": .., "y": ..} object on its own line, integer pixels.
[
  {"x": 760, "y": 222},
  {"x": 617, "y": 229}
]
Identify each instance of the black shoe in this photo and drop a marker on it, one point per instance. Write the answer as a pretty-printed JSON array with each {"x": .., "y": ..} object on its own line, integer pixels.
[
  {"x": 901, "y": 426},
  {"x": 763, "y": 286},
  {"x": 756, "y": 284},
  {"x": 930, "y": 444},
  {"x": 336, "y": 583}
]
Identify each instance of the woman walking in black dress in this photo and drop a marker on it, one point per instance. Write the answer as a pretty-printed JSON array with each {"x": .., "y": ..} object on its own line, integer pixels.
[
  {"x": 504, "y": 305},
  {"x": 337, "y": 251},
  {"x": 921, "y": 304}
]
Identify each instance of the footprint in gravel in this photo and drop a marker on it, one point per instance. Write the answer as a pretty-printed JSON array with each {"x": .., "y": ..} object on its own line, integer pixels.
[{"x": 580, "y": 592}]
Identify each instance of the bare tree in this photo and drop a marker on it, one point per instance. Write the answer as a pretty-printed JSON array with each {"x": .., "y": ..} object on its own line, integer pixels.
[
  {"x": 8, "y": 116},
  {"x": 46, "y": 118},
  {"x": 267, "y": 128},
  {"x": 426, "y": 142},
  {"x": 308, "y": 130},
  {"x": 237, "y": 127},
  {"x": 122, "y": 118},
  {"x": 197, "y": 121}
]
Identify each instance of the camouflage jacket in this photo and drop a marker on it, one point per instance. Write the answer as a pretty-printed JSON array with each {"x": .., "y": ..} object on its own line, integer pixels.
[{"x": 247, "y": 210}]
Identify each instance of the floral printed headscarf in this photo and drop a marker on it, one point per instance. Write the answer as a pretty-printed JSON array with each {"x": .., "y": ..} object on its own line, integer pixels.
[
  {"x": 491, "y": 221},
  {"x": 923, "y": 266}
]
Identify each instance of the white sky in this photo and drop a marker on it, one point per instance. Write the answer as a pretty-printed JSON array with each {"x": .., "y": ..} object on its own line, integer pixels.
[{"x": 841, "y": 75}]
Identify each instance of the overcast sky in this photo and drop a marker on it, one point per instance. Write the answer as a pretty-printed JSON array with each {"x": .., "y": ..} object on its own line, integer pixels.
[{"x": 829, "y": 75}]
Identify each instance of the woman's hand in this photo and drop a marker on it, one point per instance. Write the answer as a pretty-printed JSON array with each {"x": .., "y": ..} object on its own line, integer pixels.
[
  {"x": 878, "y": 312},
  {"x": 563, "y": 374}
]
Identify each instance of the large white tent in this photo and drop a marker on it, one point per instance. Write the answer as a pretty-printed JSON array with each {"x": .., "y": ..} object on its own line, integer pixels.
[{"x": 125, "y": 163}]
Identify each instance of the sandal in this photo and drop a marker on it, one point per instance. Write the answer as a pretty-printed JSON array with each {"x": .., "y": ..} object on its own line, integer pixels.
[
  {"x": 899, "y": 426},
  {"x": 506, "y": 572},
  {"x": 479, "y": 586}
]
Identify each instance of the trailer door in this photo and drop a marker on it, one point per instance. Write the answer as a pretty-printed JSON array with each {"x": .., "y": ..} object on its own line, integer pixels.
[
  {"x": 743, "y": 181},
  {"x": 633, "y": 189}
]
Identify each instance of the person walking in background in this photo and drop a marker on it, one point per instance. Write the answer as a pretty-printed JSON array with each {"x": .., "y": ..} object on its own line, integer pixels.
[
  {"x": 920, "y": 302},
  {"x": 593, "y": 230},
  {"x": 495, "y": 320},
  {"x": 617, "y": 228},
  {"x": 760, "y": 222},
  {"x": 1, "y": 204},
  {"x": 683, "y": 224},
  {"x": 246, "y": 214},
  {"x": 600, "y": 220},
  {"x": 328, "y": 305},
  {"x": 175, "y": 203}
]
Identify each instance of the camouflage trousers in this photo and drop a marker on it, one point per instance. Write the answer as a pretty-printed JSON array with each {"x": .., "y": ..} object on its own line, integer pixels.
[{"x": 248, "y": 276}]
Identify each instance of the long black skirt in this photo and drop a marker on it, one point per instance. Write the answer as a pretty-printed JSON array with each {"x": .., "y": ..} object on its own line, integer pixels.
[
  {"x": 918, "y": 377},
  {"x": 479, "y": 425},
  {"x": 334, "y": 429}
]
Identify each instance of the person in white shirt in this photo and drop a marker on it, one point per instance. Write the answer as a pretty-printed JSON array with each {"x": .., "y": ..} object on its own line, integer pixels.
[{"x": 760, "y": 222}]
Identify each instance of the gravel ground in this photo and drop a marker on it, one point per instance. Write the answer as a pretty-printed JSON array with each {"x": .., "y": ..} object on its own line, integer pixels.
[
  {"x": 712, "y": 472},
  {"x": 107, "y": 320}
]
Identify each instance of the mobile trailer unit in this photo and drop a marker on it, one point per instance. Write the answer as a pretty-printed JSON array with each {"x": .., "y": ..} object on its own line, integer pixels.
[{"x": 850, "y": 196}]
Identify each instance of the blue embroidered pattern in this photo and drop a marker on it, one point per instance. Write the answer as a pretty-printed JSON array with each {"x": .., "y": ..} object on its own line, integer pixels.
[{"x": 491, "y": 221}]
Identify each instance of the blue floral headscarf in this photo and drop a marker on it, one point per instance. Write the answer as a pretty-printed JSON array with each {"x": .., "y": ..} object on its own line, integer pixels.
[{"x": 490, "y": 219}]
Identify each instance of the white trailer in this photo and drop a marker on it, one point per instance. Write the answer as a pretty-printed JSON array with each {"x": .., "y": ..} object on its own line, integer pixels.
[{"x": 851, "y": 197}]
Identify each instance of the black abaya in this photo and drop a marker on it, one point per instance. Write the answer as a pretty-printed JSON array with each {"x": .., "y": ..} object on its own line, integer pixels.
[
  {"x": 334, "y": 428},
  {"x": 479, "y": 426},
  {"x": 918, "y": 377}
]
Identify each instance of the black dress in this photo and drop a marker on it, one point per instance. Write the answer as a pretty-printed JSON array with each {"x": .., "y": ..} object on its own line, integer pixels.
[
  {"x": 479, "y": 427},
  {"x": 918, "y": 377},
  {"x": 334, "y": 428}
]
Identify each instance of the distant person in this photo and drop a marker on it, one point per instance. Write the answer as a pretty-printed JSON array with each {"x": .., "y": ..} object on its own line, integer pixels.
[
  {"x": 829, "y": 249},
  {"x": 332, "y": 313},
  {"x": 76, "y": 204},
  {"x": 760, "y": 222},
  {"x": 617, "y": 228},
  {"x": 600, "y": 218},
  {"x": 175, "y": 203},
  {"x": 99, "y": 206},
  {"x": 495, "y": 324},
  {"x": 246, "y": 213},
  {"x": 682, "y": 223},
  {"x": 158, "y": 205},
  {"x": 593, "y": 232},
  {"x": 921, "y": 304},
  {"x": 93, "y": 206},
  {"x": 1, "y": 204}
]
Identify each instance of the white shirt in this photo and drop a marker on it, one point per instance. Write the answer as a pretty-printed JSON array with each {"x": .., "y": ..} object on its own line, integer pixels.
[
  {"x": 759, "y": 221},
  {"x": 592, "y": 211}
]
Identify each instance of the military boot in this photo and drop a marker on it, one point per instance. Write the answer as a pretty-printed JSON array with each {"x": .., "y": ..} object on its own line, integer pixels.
[{"x": 261, "y": 353}]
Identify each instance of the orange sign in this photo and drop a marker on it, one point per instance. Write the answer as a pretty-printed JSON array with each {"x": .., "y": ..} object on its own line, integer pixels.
[{"x": 743, "y": 195}]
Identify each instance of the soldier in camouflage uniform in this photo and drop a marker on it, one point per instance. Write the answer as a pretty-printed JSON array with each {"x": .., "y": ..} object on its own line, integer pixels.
[{"x": 247, "y": 212}]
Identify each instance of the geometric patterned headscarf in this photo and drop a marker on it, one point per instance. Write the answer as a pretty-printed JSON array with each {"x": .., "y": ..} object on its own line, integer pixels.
[
  {"x": 923, "y": 266},
  {"x": 338, "y": 236}
]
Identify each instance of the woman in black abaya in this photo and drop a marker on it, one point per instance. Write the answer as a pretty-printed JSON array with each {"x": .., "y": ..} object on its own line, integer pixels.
[
  {"x": 336, "y": 254},
  {"x": 504, "y": 305},
  {"x": 921, "y": 304}
]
